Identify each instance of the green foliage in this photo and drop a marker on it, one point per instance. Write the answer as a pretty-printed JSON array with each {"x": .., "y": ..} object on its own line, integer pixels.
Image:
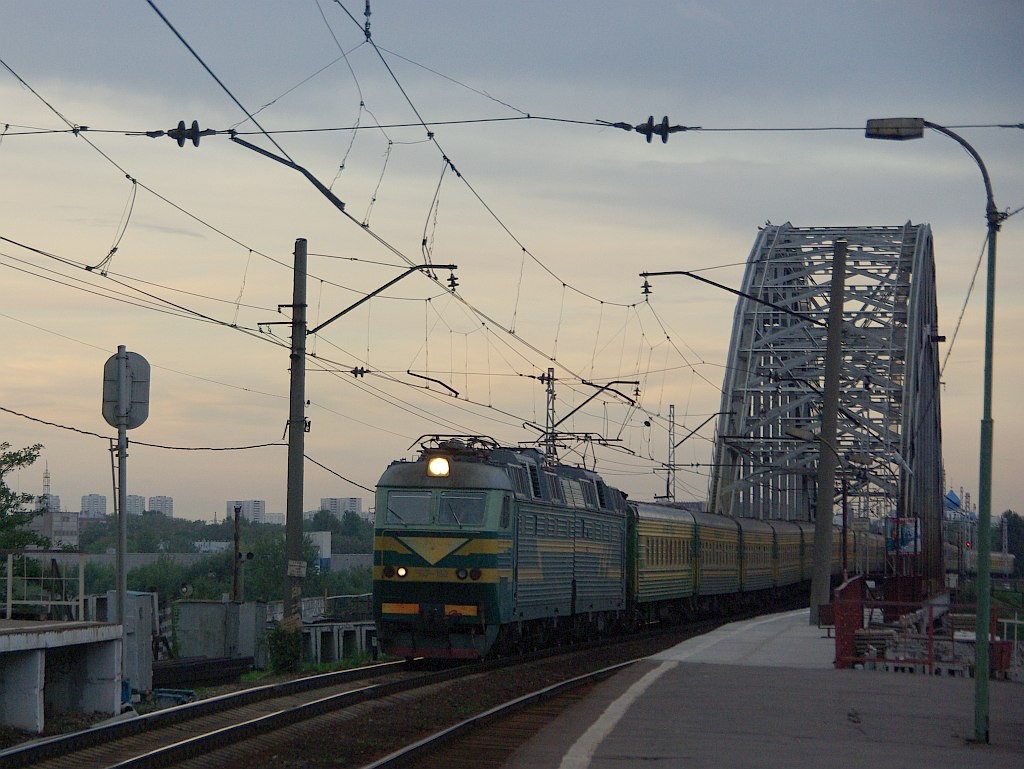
[
  {"x": 1009, "y": 598},
  {"x": 354, "y": 581},
  {"x": 99, "y": 578},
  {"x": 284, "y": 647},
  {"x": 1015, "y": 539},
  {"x": 166, "y": 578},
  {"x": 210, "y": 577},
  {"x": 350, "y": 534},
  {"x": 264, "y": 574},
  {"x": 14, "y": 521},
  {"x": 154, "y": 532}
]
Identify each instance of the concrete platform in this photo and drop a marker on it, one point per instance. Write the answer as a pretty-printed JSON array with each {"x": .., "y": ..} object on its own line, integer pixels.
[
  {"x": 52, "y": 667},
  {"x": 763, "y": 694}
]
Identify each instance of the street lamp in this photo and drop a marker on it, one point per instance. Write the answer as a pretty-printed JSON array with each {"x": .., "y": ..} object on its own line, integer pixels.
[{"x": 913, "y": 128}]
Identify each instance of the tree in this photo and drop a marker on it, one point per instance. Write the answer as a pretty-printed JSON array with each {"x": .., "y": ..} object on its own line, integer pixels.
[
  {"x": 164, "y": 577},
  {"x": 350, "y": 534},
  {"x": 99, "y": 578},
  {"x": 354, "y": 581},
  {"x": 14, "y": 519},
  {"x": 1015, "y": 539},
  {"x": 324, "y": 520}
]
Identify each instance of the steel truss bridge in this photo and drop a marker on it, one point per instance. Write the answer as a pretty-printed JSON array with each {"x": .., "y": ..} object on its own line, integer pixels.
[{"x": 888, "y": 436}]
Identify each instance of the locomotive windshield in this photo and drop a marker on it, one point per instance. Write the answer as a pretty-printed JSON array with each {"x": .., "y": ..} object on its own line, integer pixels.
[
  {"x": 461, "y": 508},
  {"x": 408, "y": 507},
  {"x": 452, "y": 508}
]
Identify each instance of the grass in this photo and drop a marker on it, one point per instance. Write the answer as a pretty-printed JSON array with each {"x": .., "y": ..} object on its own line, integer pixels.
[{"x": 261, "y": 676}]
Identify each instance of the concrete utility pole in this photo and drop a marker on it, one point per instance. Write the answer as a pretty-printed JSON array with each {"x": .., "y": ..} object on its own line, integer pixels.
[
  {"x": 293, "y": 539},
  {"x": 296, "y": 570},
  {"x": 236, "y": 594},
  {"x": 821, "y": 575}
]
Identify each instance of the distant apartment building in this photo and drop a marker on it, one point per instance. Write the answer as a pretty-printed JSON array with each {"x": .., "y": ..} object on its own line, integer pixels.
[
  {"x": 163, "y": 505},
  {"x": 60, "y": 528},
  {"x": 276, "y": 518},
  {"x": 338, "y": 506},
  {"x": 254, "y": 510},
  {"x": 93, "y": 506},
  {"x": 135, "y": 504}
]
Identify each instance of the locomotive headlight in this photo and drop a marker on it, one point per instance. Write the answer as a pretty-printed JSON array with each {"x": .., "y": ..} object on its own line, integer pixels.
[
  {"x": 438, "y": 467},
  {"x": 461, "y": 573},
  {"x": 402, "y": 571}
]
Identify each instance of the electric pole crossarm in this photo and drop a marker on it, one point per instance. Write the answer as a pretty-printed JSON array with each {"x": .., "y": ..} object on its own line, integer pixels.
[
  {"x": 600, "y": 390},
  {"x": 383, "y": 288},
  {"x": 779, "y": 307},
  {"x": 339, "y": 204},
  {"x": 695, "y": 429},
  {"x": 452, "y": 390}
]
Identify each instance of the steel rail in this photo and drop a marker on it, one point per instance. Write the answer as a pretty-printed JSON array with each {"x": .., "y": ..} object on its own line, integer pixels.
[{"x": 436, "y": 740}]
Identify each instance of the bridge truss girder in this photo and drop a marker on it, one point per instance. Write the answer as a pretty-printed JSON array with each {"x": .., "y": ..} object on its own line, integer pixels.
[{"x": 888, "y": 436}]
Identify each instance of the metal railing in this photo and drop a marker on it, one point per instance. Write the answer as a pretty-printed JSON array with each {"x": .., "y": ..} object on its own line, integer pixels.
[
  {"x": 43, "y": 584},
  {"x": 931, "y": 637}
]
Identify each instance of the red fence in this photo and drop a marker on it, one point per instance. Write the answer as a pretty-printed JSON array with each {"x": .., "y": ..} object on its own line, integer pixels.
[{"x": 933, "y": 637}]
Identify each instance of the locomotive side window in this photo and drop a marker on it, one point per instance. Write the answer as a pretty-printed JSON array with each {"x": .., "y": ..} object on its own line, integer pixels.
[
  {"x": 506, "y": 511},
  {"x": 555, "y": 487},
  {"x": 573, "y": 493},
  {"x": 517, "y": 474},
  {"x": 534, "y": 480},
  {"x": 408, "y": 507},
  {"x": 463, "y": 508}
]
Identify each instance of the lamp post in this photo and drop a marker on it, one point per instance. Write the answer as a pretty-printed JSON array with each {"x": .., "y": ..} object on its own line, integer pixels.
[{"x": 913, "y": 128}]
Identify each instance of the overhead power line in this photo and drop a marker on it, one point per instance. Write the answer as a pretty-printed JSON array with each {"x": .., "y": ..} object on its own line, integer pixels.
[{"x": 642, "y": 128}]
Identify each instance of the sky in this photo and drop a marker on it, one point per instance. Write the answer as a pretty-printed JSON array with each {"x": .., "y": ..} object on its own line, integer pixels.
[{"x": 466, "y": 133}]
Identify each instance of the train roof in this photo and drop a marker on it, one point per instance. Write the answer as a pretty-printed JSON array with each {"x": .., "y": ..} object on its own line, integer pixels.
[
  {"x": 668, "y": 512},
  {"x": 528, "y": 469}
]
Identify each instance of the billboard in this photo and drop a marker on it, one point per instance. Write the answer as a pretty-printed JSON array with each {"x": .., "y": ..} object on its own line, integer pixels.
[{"x": 902, "y": 536}]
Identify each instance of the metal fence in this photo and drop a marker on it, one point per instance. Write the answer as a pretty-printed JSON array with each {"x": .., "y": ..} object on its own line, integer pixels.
[
  {"x": 934, "y": 638},
  {"x": 43, "y": 584}
]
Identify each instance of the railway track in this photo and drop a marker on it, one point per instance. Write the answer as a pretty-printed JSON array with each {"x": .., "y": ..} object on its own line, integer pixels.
[
  {"x": 350, "y": 718},
  {"x": 477, "y": 720},
  {"x": 487, "y": 740},
  {"x": 169, "y": 736}
]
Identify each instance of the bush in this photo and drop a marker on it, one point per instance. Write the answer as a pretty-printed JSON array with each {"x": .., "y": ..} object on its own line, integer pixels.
[{"x": 284, "y": 648}]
